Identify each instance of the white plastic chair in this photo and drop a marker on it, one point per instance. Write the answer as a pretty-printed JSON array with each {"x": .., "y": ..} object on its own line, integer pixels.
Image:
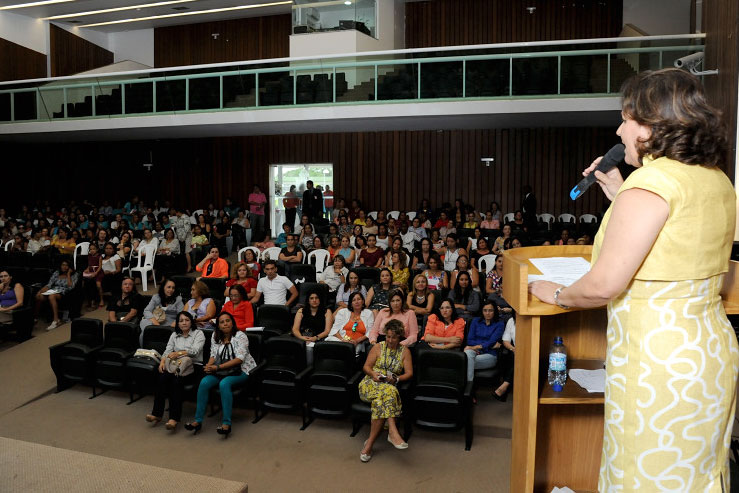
[
  {"x": 373, "y": 215},
  {"x": 146, "y": 265},
  {"x": 566, "y": 218},
  {"x": 508, "y": 218},
  {"x": 547, "y": 218},
  {"x": 273, "y": 252},
  {"x": 322, "y": 257},
  {"x": 240, "y": 255},
  {"x": 81, "y": 249},
  {"x": 9, "y": 245},
  {"x": 588, "y": 218},
  {"x": 411, "y": 215},
  {"x": 393, "y": 214},
  {"x": 488, "y": 261}
]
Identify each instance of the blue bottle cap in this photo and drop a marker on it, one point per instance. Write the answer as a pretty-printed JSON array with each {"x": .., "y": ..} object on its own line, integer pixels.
[
  {"x": 558, "y": 340},
  {"x": 557, "y": 387}
]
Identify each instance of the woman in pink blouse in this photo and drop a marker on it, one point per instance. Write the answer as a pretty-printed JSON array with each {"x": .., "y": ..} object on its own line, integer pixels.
[{"x": 398, "y": 311}]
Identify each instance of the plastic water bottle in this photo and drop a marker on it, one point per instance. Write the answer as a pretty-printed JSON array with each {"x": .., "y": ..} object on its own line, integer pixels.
[{"x": 557, "y": 375}]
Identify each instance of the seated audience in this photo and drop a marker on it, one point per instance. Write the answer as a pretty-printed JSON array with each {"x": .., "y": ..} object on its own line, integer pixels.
[
  {"x": 221, "y": 232},
  {"x": 483, "y": 340},
  {"x": 417, "y": 228},
  {"x": 304, "y": 221},
  {"x": 436, "y": 241},
  {"x": 356, "y": 234},
  {"x": 163, "y": 306},
  {"x": 359, "y": 246},
  {"x": 515, "y": 242},
  {"x": 352, "y": 322},
  {"x": 112, "y": 267},
  {"x": 395, "y": 247},
  {"x": 239, "y": 306},
  {"x": 11, "y": 296},
  {"x": 317, "y": 244},
  {"x": 335, "y": 274},
  {"x": 481, "y": 250},
  {"x": 229, "y": 364},
  {"x": 421, "y": 256},
  {"x": 346, "y": 251},
  {"x": 466, "y": 300},
  {"x": 250, "y": 259},
  {"x": 490, "y": 222},
  {"x": 167, "y": 253},
  {"x": 186, "y": 341},
  {"x": 345, "y": 291},
  {"x": 212, "y": 266},
  {"x": 61, "y": 282},
  {"x": 275, "y": 287},
  {"x": 126, "y": 307},
  {"x": 445, "y": 328},
  {"x": 291, "y": 254},
  {"x": 62, "y": 243},
  {"x": 312, "y": 323},
  {"x": 436, "y": 277},
  {"x": 378, "y": 294},
  {"x": 371, "y": 256},
  {"x": 421, "y": 298},
  {"x": 564, "y": 236},
  {"x": 494, "y": 278},
  {"x": 383, "y": 240},
  {"x": 369, "y": 228},
  {"x": 397, "y": 310},
  {"x": 387, "y": 364},
  {"x": 451, "y": 252},
  {"x": 307, "y": 238},
  {"x": 333, "y": 246},
  {"x": 345, "y": 229},
  {"x": 201, "y": 306},
  {"x": 241, "y": 274},
  {"x": 499, "y": 245},
  {"x": 400, "y": 270},
  {"x": 463, "y": 265},
  {"x": 361, "y": 219}
]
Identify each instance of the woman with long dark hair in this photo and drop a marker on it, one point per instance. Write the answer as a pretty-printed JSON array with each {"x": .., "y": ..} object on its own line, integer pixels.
[{"x": 465, "y": 299}]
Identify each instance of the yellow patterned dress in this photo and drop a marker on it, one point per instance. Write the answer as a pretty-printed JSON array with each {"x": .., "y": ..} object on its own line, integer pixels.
[
  {"x": 672, "y": 359},
  {"x": 384, "y": 397}
]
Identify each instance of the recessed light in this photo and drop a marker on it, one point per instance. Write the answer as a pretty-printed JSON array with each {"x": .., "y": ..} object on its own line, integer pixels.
[
  {"x": 33, "y": 4},
  {"x": 347, "y": 2},
  {"x": 116, "y": 9},
  {"x": 194, "y": 12}
]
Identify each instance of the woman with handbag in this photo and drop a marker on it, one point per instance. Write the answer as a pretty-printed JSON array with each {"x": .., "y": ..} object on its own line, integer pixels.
[
  {"x": 229, "y": 365},
  {"x": 185, "y": 343},
  {"x": 163, "y": 307},
  {"x": 92, "y": 276}
]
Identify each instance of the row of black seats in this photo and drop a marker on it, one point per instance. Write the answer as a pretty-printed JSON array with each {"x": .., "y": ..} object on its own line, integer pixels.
[{"x": 438, "y": 397}]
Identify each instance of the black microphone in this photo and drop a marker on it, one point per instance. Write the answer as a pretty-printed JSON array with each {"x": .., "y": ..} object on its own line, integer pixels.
[{"x": 614, "y": 156}]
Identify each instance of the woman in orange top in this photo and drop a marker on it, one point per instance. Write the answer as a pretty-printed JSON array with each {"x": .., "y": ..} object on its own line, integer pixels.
[
  {"x": 352, "y": 324},
  {"x": 444, "y": 330},
  {"x": 239, "y": 307}
]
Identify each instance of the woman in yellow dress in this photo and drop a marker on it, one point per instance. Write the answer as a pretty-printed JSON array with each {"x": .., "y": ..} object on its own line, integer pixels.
[
  {"x": 387, "y": 364},
  {"x": 672, "y": 357}
]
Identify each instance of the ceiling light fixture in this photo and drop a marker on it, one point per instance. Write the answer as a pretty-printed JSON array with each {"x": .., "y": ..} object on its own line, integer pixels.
[
  {"x": 33, "y": 4},
  {"x": 116, "y": 9},
  {"x": 181, "y": 14}
]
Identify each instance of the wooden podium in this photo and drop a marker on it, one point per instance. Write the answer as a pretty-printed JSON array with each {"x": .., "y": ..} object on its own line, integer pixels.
[{"x": 557, "y": 437}]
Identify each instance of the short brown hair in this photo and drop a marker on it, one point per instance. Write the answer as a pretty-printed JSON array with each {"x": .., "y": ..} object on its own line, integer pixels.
[
  {"x": 202, "y": 289},
  {"x": 235, "y": 270},
  {"x": 395, "y": 326},
  {"x": 684, "y": 126}
]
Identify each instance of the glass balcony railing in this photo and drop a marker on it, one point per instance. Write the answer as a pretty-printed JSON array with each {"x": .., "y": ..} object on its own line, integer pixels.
[{"x": 582, "y": 68}]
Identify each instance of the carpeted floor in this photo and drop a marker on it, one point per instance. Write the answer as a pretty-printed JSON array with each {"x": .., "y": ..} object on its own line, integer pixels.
[{"x": 272, "y": 455}]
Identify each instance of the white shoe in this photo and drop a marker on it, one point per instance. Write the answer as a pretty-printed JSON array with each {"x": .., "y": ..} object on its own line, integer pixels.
[
  {"x": 53, "y": 325},
  {"x": 365, "y": 457},
  {"x": 401, "y": 446}
]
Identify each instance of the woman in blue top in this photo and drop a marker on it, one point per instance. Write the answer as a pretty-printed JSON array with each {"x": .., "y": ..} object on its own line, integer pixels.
[{"x": 483, "y": 340}]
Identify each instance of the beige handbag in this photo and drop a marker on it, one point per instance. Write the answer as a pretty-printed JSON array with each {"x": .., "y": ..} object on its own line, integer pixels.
[
  {"x": 180, "y": 367},
  {"x": 159, "y": 314}
]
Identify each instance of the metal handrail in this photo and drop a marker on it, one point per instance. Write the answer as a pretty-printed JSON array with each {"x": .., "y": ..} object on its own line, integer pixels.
[{"x": 408, "y": 51}]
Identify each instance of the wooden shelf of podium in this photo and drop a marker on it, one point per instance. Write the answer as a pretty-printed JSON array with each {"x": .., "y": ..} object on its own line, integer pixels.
[
  {"x": 572, "y": 393},
  {"x": 557, "y": 437}
]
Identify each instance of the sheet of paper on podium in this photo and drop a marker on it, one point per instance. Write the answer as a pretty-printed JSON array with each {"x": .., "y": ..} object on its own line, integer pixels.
[{"x": 562, "y": 270}]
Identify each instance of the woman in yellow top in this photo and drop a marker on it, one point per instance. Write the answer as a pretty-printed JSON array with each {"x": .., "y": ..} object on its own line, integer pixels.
[
  {"x": 65, "y": 245},
  {"x": 400, "y": 270},
  {"x": 672, "y": 357}
]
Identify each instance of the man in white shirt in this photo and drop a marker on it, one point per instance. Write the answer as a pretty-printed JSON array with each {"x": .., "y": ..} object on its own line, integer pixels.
[
  {"x": 275, "y": 287},
  {"x": 409, "y": 237}
]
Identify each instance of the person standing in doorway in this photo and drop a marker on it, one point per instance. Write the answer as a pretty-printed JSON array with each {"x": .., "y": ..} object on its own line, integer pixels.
[
  {"x": 528, "y": 206},
  {"x": 312, "y": 202},
  {"x": 257, "y": 203},
  {"x": 328, "y": 196},
  {"x": 290, "y": 202}
]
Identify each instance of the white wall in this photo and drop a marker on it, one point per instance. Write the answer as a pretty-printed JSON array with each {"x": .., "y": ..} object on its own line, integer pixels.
[
  {"x": 657, "y": 17},
  {"x": 137, "y": 46},
  {"x": 25, "y": 31}
]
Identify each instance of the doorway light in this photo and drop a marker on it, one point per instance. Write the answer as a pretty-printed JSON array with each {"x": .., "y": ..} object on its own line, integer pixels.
[{"x": 182, "y": 14}]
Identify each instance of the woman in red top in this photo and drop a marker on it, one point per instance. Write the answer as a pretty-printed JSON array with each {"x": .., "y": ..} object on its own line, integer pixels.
[
  {"x": 239, "y": 307},
  {"x": 241, "y": 274},
  {"x": 444, "y": 330}
]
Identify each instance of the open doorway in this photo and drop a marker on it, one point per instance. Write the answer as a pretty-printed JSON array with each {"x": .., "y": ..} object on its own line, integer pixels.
[{"x": 285, "y": 176}]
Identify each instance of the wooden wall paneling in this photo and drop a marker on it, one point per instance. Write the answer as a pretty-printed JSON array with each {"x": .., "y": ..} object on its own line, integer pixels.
[
  {"x": 454, "y": 22},
  {"x": 252, "y": 38},
  {"x": 71, "y": 54},
  {"x": 19, "y": 62}
]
